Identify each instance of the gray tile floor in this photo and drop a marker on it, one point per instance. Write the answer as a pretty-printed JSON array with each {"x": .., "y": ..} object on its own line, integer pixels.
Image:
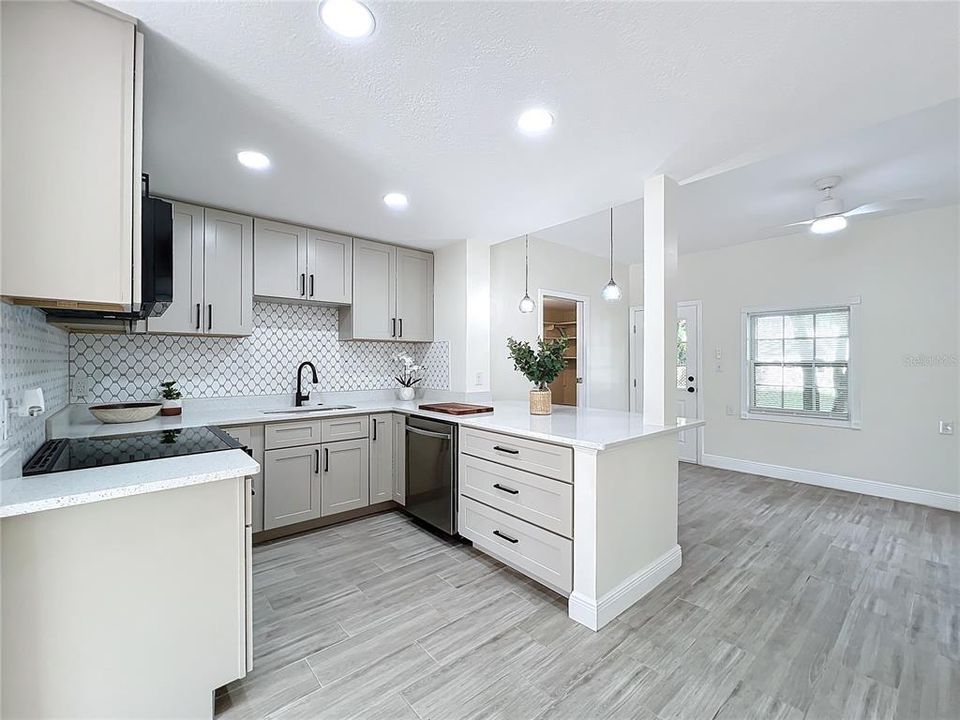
[{"x": 793, "y": 602}]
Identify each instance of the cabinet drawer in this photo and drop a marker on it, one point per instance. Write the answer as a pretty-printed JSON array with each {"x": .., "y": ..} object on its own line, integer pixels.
[
  {"x": 536, "y": 499},
  {"x": 345, "y": 428},
  {"x": 531, "y": 550},
  {"x": 292, "y": 434},
  {"x": 533, "y": 456}
]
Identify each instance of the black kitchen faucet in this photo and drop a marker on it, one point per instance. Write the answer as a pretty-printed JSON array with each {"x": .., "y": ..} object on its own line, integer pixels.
[{"x": 300, "y": 398}]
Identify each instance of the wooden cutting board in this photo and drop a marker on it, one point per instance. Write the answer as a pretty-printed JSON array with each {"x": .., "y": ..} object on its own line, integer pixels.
[{"x": 452, "y": 408}]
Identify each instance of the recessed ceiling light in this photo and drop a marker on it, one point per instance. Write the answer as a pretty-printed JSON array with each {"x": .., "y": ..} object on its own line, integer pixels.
[
  {"x": 535, "y": 121},
  {"x": 828, "y": 224},
  {"x": 396, "y": 201},
  {"x": 347, "y": 18},
  {"x": 253, "y": 159}
]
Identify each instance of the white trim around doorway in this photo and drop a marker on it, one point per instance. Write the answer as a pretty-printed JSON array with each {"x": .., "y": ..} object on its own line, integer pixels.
[{"x": 583, "y": 347}]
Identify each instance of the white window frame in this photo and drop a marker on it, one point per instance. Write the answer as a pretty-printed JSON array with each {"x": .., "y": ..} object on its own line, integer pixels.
[{"x": 853, "y": 365}]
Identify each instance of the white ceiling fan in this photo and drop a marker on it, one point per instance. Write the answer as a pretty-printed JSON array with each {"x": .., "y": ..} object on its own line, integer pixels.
[{"x": 829, "y": 215}]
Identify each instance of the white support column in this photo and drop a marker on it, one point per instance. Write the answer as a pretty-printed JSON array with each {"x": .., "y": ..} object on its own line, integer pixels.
[{"x": 660, "y": 217}]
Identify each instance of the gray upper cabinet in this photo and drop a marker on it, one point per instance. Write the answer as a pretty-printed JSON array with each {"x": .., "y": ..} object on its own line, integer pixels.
[
  {"x": 279, "y": 260},
  {"x": 212, "y": 274},
  {"x": 292, "y": 485},
  {"x": 381, "y": 458},
  {"x": 329, "y": 268},
  {"x": 295, "y": 263},
  {"x": 393, "y": 294},
  {"x": 185, "y": 313},
  {"x": 345, "y": 477},
  {"x": 372, "y": 316},
  {"x": 414, "y": 295},
  {"x": 227, "y": 273}
]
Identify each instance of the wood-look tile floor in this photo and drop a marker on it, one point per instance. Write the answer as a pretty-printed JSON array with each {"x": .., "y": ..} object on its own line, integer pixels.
[{"x": 792, "y": 602}]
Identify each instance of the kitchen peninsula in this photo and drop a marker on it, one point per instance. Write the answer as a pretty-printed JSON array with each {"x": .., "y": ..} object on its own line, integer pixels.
[{"x": 580, "y": 468}]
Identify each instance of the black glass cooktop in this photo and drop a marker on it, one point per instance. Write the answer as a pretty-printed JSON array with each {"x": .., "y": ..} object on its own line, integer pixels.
[{"x": 76, "y": 453}]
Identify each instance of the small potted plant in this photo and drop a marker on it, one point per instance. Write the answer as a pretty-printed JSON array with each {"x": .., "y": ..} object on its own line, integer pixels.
[
  {"x": 408, "y": 377},
  {"x": 541, "y": 367},
  {"x": 171, "y": 398}
]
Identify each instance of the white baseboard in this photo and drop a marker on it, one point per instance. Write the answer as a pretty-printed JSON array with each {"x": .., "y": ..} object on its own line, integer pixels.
[
  {"x": 597, "y": 614},
  {"x": 932, "y": 498}
]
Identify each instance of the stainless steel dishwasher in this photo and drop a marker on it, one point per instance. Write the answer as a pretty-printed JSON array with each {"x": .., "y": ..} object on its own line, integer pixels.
[{"x": 432, "y": 472}]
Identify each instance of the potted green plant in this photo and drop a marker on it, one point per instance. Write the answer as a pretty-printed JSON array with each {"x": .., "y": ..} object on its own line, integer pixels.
[
  {"x": 540, "y": 366},
  {"x": 171, "y": 398}
]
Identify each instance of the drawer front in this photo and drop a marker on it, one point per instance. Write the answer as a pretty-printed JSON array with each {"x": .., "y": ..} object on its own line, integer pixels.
[
  {"x": 531, "y": 455},
  {"x": 292, "y": 434},
  {"x": 344, "y": 428},
  {"x": 531, "y": 550},
  {"x": 536, "y": 499}
]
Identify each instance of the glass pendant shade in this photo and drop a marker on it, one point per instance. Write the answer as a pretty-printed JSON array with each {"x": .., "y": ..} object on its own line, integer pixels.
[
  {"x": 611, "y": 291},
  {"x": 527, "y": 305}
]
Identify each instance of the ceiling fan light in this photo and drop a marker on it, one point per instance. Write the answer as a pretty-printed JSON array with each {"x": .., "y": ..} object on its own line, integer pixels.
[
  {"x": 611, "y": 291},
  {"x": 828, "y": 224}
]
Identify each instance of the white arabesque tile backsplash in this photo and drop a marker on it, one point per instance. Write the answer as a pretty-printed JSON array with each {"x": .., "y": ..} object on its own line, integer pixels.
[{"x": 131, "y": 367}]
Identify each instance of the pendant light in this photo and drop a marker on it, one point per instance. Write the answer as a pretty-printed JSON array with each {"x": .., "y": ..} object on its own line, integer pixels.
[
  {"x": 527, "y": 305},
  {"x": 611, "y": 291}
]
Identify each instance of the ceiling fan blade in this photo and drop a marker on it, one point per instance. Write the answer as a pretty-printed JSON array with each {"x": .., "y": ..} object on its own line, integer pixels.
[
  {"x": 882, "y": 206},
  {"x": 802, "y": 222}
]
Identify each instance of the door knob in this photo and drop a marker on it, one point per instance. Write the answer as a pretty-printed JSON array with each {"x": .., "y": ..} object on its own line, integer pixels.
[
  {"x": 690, "y": 378},
  {"x": 691, "y": 389}
]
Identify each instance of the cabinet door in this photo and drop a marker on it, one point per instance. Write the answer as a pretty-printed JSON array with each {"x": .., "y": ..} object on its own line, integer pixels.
[
  {"x": 345, "y": 479},
  {"x": 185, "y": 313},
  {"x": 381, "y": 458},
  {"x": 414, "y": 295},
  {"x": 227, "y": 273},
  {"x": 252, "y": 437},
  {"x": 373, "y": 314},
  {"x": 291, "y": 486},
  {"x": 400, "y": 459},
  {"x": 71, "y": 183},
  {"x": 329, "y": 267},
  {"x": 279, "y": 260}
]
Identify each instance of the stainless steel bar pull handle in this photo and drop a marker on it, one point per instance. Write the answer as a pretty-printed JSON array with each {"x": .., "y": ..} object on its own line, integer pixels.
[
  {"x": 428, "y": 433},
  {"x": 506, "y": 537},
  {"x": 505, "y": 489}
]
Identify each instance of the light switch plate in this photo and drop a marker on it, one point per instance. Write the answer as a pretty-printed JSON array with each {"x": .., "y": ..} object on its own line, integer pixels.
[{"x": 946, "y": 427}]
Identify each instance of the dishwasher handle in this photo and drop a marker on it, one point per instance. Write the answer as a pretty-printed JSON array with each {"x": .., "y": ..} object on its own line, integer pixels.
[{"x": 429, "y": 433}]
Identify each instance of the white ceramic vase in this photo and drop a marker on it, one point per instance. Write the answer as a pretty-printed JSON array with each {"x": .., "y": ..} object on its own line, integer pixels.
[{"x": 406, "y": 393}]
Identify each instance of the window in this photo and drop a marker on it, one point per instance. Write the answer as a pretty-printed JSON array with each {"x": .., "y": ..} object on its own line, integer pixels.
[
  {"x": 681, "y": 354},
  {"x": 798, "y": 365}
]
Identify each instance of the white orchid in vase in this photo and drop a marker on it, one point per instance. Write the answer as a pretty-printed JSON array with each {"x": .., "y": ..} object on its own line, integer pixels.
[{"x": 408, "y": 377}]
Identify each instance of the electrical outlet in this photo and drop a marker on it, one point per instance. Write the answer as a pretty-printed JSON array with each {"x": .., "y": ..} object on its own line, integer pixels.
[
  {"x": 81, "y": 387},
  {"x": 719, "y": 353},
  {"x": 730, "y": 410},
  {"x": 946, "y": 427}
]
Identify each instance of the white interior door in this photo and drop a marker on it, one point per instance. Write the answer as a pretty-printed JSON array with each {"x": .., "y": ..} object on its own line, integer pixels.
[{"x": 688, "y": 376}]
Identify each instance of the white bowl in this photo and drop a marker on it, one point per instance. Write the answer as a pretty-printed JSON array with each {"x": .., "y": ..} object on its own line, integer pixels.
[{"x": 125, "y": 412}]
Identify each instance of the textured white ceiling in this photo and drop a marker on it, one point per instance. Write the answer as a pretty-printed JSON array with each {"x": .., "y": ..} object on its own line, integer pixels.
[
  {"x": 914, "y": 156},
  {"x": 427, "y": 105}
]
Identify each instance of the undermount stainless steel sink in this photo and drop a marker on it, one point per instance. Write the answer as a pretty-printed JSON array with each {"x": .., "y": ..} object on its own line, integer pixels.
[{"x": 314, "y": 409}]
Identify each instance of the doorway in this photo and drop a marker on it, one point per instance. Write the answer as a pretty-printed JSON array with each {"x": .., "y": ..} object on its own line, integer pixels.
[
  {"x": 689, "y": 399},
  {"x": 563, "y": 315}
]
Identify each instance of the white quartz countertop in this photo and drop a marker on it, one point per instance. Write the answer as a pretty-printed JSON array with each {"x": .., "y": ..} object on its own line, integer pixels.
[
  {"x": 587, "y": 428},
  {"x": 36, "y": 493}
]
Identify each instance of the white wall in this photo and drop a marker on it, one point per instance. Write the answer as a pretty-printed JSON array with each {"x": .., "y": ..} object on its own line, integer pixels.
[
  {"x": 905, "y": 268},
  {"x": 557, "y": 267},
  {"x": 462, "y": 312}
]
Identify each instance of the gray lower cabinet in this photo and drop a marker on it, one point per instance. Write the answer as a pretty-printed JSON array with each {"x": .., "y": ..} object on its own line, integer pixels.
[
  {"x": 381, "y": 458},
  {"x": 345, "y": 477},
  {"x": 399, "y": 458},
  {"x": 292, "y": 485},
  {"x": 251, "y": 436}
]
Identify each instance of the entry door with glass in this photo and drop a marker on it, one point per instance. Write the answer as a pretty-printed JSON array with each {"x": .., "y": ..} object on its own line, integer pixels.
[{"x": 688, "y": 377}]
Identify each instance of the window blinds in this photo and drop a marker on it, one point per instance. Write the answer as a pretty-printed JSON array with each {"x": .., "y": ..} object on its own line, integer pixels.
[{"x": 799, "y": 363}]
